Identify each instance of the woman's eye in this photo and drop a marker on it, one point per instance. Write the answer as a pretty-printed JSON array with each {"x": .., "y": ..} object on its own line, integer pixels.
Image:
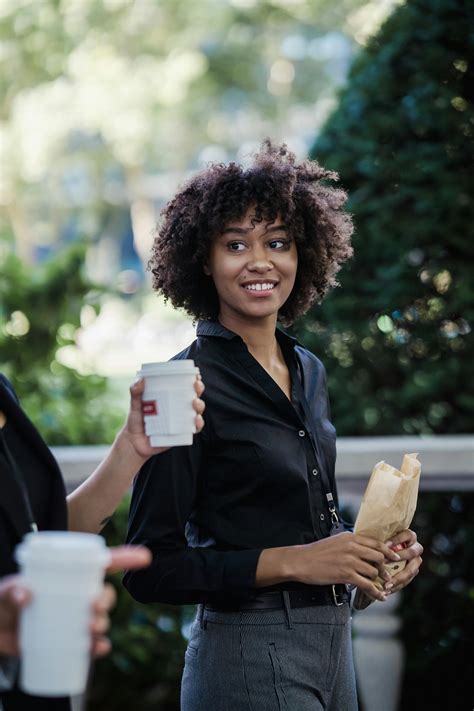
[
  {"x": 236, "y": 246},
  {"x": 279, "y": 243}
]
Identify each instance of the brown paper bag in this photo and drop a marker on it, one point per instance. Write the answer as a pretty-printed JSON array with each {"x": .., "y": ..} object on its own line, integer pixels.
[{"x": 388, "y": 507}]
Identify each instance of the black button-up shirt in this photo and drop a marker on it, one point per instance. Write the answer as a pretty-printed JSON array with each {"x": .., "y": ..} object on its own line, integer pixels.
[{"x": 256, "y": 477}]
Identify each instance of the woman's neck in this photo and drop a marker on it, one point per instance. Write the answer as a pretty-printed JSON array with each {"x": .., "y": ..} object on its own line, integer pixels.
[{"x": 258, "y": 335}]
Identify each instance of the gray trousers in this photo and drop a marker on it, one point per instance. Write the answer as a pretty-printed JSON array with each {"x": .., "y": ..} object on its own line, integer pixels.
[{"x": 270, "y": 660}]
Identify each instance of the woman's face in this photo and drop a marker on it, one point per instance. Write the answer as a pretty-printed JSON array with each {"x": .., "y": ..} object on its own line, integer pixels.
[{"x": 253, "y": 267}]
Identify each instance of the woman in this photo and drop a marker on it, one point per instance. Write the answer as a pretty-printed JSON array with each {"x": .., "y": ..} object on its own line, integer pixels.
[
  {"x": 32, "y": 497},
  {"x": 245, "y": 521}
]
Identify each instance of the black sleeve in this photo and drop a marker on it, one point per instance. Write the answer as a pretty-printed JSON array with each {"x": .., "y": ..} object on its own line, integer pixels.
[{"x": 163, "y": 499}]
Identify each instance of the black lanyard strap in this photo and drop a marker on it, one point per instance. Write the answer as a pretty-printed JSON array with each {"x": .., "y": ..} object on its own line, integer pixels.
[{"x": 19, "y": 479}]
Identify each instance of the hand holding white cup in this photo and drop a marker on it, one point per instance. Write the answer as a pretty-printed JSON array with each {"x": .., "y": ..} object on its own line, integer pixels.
[
  {"x": 133, "y": 431},
  {"x": 64, "y": 572},
  {"x": 14, "y": 596}
]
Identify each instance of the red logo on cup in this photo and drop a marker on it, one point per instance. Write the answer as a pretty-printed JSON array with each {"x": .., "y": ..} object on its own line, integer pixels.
[{"x": 150, "y": 407}]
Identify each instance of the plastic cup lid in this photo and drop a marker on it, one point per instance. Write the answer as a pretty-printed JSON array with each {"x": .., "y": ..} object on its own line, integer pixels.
[
  {"x": 170, "y": 367},
  {"x": 60, "y": 546}
]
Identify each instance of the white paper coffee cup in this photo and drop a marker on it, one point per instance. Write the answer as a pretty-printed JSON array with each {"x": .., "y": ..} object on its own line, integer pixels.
[
  {"x": 168, "y": 402},
  {"x": 64, "y": 571}
]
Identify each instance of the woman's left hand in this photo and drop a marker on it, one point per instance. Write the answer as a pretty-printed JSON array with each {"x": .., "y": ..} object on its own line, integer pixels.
[
  {"x": 134, "y": 428},
  {"x": 409, "y": 549},
  {"x": 14, "y": 596}
]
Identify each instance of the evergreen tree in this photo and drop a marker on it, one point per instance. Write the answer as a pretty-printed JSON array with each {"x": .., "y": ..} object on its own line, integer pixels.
[
  {"x": 40, "y": 313},
  {"x": 395, "y": 338}
]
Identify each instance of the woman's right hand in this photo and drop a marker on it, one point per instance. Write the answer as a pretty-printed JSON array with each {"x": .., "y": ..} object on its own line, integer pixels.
[
  {"x": 133, "y": 432},
  {"x": 344, "y": 558}
]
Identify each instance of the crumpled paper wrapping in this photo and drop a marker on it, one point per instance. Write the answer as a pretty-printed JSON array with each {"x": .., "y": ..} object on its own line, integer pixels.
[{"x": 388, "y": 507}]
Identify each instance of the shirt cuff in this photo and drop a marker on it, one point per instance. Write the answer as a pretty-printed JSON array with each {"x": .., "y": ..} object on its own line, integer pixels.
[{"x": 240, "y": 569}]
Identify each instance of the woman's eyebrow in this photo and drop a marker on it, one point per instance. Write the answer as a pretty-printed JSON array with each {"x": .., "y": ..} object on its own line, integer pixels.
[
  {"x": 237, "y": 230},
  {"x": 246, "y": 230},
  {"x": 277, "y": 228}
]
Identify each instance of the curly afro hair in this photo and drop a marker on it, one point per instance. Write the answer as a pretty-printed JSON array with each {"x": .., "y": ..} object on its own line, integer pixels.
[{"x": 274, "y": 185}]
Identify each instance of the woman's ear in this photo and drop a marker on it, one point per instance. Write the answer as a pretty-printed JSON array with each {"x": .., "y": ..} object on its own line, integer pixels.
[{"x": 206, "y": 269}]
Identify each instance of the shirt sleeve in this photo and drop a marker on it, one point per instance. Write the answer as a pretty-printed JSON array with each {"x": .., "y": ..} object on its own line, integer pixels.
[{"x": 163, "y": 499}]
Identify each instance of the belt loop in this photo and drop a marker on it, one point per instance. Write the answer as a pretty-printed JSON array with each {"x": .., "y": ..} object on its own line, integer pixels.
[
  {"x": 202, "y": 621},
  {"x": 287, "y": 606}
]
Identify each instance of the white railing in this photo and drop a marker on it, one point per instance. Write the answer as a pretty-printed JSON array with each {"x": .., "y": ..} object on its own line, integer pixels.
[
  {"x": 447, "y": 465},
  {"x": 448, "y": 461}
]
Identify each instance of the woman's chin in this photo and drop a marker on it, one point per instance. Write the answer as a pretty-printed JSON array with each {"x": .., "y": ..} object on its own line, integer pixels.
[{"x": 260, "y": 311}]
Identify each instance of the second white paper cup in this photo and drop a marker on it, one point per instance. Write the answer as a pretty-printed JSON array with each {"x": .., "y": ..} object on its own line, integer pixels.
[
  {"x": 64, "y": 571},
  {"x": 168, "y": 402}
]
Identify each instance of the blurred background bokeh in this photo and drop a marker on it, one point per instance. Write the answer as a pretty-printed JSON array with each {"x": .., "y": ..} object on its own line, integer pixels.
[{"x": 107, "y": 105}]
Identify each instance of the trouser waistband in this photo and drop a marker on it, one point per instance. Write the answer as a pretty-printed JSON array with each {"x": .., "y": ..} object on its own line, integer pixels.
[{"x": 275, "y": 599}]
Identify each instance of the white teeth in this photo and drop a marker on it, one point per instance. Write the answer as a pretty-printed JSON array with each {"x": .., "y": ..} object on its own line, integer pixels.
[{"x": 259, "y": 287}]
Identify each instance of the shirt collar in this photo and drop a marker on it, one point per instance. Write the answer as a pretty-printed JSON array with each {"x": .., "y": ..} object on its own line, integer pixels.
[{"x": 214, "y": 328}]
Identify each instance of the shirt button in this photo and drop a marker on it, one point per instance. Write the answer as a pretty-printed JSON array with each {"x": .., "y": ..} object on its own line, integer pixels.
[
  {"x": 321, "y": 516},
  {"x": 315, "y": 472},
  {"x": 301, "y": 433}
]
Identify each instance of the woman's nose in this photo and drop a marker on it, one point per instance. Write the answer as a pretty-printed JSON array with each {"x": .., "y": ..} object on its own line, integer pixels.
[{"x": 259, "y": 261}]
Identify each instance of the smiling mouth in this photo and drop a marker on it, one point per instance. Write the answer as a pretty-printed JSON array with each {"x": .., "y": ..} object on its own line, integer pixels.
[{"x": 259, "y": 287}]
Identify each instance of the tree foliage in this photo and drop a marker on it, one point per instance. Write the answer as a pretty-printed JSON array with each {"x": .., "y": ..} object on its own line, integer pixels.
[
  {"x": 396, "y": 337},
  {"x": 40, "y": 313},
  {"x": 99, "y": 98},
  {"x": 438, "y": 624}
]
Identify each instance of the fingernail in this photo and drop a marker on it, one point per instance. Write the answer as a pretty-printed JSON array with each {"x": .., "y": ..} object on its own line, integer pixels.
[
  {"x": 389, "y": 544},
  {"x": 396, "y": 556},
  {"x": 388, "y": 586}
]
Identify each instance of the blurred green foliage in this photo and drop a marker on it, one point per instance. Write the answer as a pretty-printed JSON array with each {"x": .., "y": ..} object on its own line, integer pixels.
[
  {"x": 40, "y": 313},
  {"x": 99, "y": 99},
  {"x": 143, "y": 671},
  {"x": 438, "y": 608},
  {"x": 396, "y": 338}
]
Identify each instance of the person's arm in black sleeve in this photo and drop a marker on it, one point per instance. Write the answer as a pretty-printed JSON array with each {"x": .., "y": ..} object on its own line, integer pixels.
[{"x": 163, "y": 498}]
